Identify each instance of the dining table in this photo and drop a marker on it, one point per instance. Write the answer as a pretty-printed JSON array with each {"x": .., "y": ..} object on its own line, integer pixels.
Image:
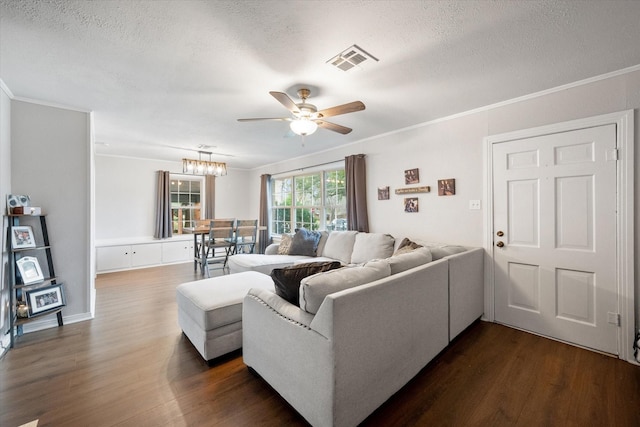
[{"x": 200, "y": 249}]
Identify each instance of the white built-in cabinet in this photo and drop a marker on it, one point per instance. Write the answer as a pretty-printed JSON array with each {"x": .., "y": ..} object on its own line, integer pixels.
[
  {"x": 114, "y": 257},
  {"x": 181, "y": 250}
]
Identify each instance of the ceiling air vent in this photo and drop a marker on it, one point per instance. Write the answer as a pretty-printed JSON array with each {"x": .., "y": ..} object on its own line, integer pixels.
[{"x": 351, "y": 58}]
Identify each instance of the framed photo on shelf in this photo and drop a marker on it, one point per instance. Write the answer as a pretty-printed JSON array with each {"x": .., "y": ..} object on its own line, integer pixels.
[
  {"x": 43, "y": 300},
  {"x": 22, "y": 237},
  {"x": 30, "y": 270}
]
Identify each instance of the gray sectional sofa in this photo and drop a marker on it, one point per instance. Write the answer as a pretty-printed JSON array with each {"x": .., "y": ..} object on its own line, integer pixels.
[{"x": 359, "y": 334}]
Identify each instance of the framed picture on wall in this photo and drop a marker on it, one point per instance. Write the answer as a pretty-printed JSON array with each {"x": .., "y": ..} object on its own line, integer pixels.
[
  {"x": 383, "y": 193},
  {"x": 411, "y": 204},
  {"x": 446, "y": 187},
  {"x": 411, "y": 176}
]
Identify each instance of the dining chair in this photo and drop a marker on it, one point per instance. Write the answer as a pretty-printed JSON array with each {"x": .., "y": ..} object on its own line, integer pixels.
[
  {"x": 201, "y": 224},
  {"x": 246, "y": 236},
  {"x": 221, "y": 243}
]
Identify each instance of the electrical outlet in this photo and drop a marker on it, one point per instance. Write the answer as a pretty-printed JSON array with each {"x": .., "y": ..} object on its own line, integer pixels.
[{"x": 474, "y": 204}]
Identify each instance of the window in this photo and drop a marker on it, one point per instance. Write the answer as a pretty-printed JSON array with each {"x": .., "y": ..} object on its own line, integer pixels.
[
  {"x": 314, "y": 201},
  {"x": 186, "y": 201}
]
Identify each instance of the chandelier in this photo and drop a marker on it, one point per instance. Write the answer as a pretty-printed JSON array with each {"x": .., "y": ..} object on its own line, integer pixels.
[{"x": 203, "y": 167}]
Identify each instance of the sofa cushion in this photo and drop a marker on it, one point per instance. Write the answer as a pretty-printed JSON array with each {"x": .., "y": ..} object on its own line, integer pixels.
[
  {"x": 263, "y": 263},
  {"x": 340, "y": 245},
  {"x": 323, "y": 241},
  {"x": 368, "y": 246},
  {"x": 287, "y": 279},
  {"x": 305, "y": 242},
  {"x": 314, "y": 289},
  {"x": 441, "y": 251},
  {"x": 406, "y": 246},
  {"x": 285, "y": 244},
  {"x": 406, "y": 261}
]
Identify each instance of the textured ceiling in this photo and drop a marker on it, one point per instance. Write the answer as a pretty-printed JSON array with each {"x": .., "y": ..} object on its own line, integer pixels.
[{"x": 163, "y": 77}]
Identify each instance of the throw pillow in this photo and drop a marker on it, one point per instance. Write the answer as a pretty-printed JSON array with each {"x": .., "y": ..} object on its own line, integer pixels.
[
  {"x": 287, "y": 279},
  {"x": 305, "y": 242},
  {"x": 285, "y": 244},
  {"x": 440, "y": 252},
  {"x": 409, "y": 260},
  {"x": 340, "y": 245},
  {"x": 315, "y": 288},
  {"x": 370, "y": 246},
  {"x": 406, "y": 246}
]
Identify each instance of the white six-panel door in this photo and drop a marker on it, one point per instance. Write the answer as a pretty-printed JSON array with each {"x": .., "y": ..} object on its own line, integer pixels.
[{"x": 554, "y": 218}]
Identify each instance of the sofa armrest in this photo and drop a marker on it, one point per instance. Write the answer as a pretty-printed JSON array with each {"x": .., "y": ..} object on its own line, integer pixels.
[
  {"x": 272, "y": 249},
  {"x": 466, "y": 289},
  {"x": 280, "y": 306}
]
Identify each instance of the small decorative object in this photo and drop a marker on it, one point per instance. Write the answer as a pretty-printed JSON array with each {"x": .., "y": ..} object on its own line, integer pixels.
[
  {"x": 411, "y": 176},
  {"x": 22, "y": 310},
  {"x": 411, "y": 204},
  {"x": 383, "y": 193},
  {"x": 408, "y": 190},
  {"x": 17, "y": 202},
  {"x": 22, "y": 237},
  {"x": 42, "y": 300},
  {"x": 446, "y": 187},
  {"x": 29, "y": 270}
]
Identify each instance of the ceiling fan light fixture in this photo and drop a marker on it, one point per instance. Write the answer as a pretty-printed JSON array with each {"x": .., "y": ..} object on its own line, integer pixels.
[{"x": 303, "y": 127}]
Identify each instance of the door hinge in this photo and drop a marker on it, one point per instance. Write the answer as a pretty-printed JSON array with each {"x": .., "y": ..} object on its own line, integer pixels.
[
  {"x": 613, "y": 318},
  {"x": 612, "y": 155}
]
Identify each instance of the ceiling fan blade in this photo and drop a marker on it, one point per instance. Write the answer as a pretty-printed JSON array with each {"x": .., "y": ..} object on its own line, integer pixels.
[
  {"x": 284, "y": 99},
  {"x": 281, "y": 119},
  {"x": 334, "y": 127},
  {"x": 351, "y": 107}
]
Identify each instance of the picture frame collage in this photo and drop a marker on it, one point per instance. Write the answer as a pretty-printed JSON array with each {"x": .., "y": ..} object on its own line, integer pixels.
[{"x": 446, "y": 187}]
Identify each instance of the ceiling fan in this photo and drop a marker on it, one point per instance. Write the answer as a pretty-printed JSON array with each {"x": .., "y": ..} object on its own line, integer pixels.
[{"x": 305, "y": 118}]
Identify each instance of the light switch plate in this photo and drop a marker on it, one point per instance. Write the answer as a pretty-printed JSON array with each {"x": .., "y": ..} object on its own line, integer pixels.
[{"x": 474, "y": 204}]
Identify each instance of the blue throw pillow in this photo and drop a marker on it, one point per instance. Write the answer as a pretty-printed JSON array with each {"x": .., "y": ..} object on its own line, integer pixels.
[{"x": 305, "y": 242}]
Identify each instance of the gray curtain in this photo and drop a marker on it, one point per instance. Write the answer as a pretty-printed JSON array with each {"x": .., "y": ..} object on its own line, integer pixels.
[
  {"x": 355, "y": 173},
  {"x": 210, "y": 188},
  {"x": 264, "y": 239},
  {"x": 164, "y": 229}
]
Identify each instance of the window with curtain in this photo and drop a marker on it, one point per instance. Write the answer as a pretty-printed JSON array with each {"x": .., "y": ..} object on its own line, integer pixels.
[
  {"x": 315, "y": 201},
  {"x": 187, "y": 196}
]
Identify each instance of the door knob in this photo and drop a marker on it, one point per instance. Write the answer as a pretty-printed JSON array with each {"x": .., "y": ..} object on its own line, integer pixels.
[
  {"x": 500, "y": 244},
  {"x": 500, "y": 234}
]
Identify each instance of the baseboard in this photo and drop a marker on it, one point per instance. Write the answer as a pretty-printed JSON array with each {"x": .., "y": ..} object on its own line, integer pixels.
[{"x": 52, "y": 322}]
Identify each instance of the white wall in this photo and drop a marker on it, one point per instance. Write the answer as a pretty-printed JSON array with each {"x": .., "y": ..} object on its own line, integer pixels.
[
  {"x": 126, "y": 196},
  {"x": 51, "y": 162},
  {"x": 453, "y": 147},
  {"x": 5, "y": 188}
]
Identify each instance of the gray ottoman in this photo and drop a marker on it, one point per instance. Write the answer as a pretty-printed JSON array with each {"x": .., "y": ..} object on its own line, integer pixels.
[{"x": 210, "y": 310}]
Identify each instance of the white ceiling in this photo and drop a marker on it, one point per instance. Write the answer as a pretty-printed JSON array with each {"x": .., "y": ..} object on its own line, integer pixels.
[{"x": 163, "y": 77}]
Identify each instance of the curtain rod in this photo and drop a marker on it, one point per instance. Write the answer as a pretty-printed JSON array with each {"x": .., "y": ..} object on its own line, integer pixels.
[{"x": 308, "y": 167}]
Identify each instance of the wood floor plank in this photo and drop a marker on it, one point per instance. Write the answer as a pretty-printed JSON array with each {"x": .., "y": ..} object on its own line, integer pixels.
[{"x": 132, "y": 366}]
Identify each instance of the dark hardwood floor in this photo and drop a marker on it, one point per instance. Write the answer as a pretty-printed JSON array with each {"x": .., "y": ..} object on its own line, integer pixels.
[{"x": 131, "y": 366}]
